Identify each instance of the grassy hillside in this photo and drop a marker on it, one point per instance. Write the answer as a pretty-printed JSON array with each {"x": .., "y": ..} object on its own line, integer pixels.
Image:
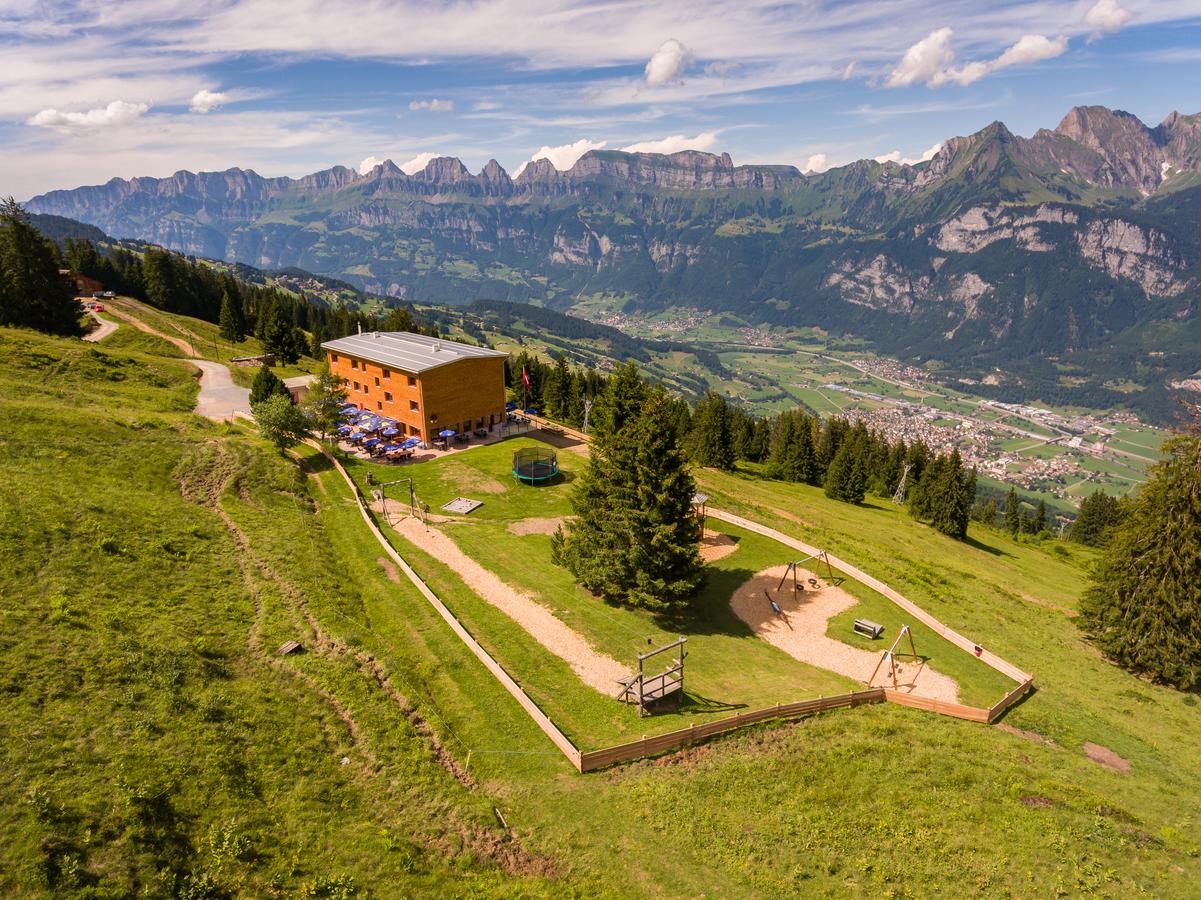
[{"x": 155, "y": 743}]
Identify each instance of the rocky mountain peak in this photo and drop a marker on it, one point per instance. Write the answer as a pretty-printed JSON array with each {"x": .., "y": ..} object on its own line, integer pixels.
[
  {"x": 494, "y": 171},
  {"x": 444, "y": 170}
]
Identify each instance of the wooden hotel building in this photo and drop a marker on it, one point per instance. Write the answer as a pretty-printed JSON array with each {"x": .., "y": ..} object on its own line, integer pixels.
[{"x": 426, "y": 384}]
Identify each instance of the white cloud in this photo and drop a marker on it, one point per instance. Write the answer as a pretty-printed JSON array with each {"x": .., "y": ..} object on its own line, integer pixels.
[
  {"x": 116, "y": 113},
  {"x": 925, "y": 60},
  {"x": 816, "y": 163},
  {"x": 847, "y": 71},
  {"x": 205, "y": 101},
  {"x": 931, "y": 60},
  {"x": 433, "y": 105},
  {"x": 564, "y": 156},
  {"x": 1031, "y": 48},
  {"x": 417, "y": 163},
  {"x": 667, "y": 64},
  {"x": 1106, "y": 15},
  {"x": 368, "y": 164},
  {"x": 896, "y": 157},
  {"x": 675, "y": 143}
]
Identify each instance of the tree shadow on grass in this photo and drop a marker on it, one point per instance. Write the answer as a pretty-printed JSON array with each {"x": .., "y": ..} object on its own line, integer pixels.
[
  {"x": 314, "y": 465},
  {"x": 987, "y": 548}
]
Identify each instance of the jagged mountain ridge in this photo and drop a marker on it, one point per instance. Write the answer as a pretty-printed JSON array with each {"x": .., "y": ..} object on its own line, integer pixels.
[{"x": 998, "y": 247}]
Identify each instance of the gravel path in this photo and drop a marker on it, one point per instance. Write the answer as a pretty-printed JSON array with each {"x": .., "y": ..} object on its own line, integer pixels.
[
  {"x": 595, "y": 669},
  {"x": 801, "y": 633},
  {"x": 104, "y": 328},
  {"x": 219, "y": 399}
]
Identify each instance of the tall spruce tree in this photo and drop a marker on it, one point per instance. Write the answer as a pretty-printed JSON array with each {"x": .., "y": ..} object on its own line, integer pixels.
[
  {"x": 1013, "y": 512},
  {"x": 32, "y": 292},
  {"x": 1143, "y": 608},
  {"x": 846, "y": 478},
  {"x": 233, "y": 328},
  {"x": 633, "y": 539},
  {"x": 711, "y": 442},
  {"x": 1099, "y": 513}
]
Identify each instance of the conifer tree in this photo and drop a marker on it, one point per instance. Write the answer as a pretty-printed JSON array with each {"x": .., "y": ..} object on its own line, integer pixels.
[
  {"x": 233, "y": 329},
  {"x": 1098, "y": 514},
  {"x": 1039, "y": 522},
  {"x": 32, "y": 292},
  {"x": 1013, "y": 512},
  {"x": 846, "y": 478},
  {"x": 620, "y": 402},
  {"x": 711, "y": 443},
  {"x": 1143, "y": 608},
  {"x": 633, "y": 539},
  {"x": 266, "y": 384}
]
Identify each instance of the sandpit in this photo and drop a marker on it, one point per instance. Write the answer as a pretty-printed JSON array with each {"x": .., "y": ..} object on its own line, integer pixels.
[
  {"x": 595, "y": 669},
  {"x": 715, "y": 545},
  {"x": 536, "y": 526},
  {"x": 801, "y": 633}
]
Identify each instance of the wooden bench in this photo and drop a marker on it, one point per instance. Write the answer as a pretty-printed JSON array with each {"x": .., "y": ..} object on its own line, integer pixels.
[{"x": 868, "y": 628}]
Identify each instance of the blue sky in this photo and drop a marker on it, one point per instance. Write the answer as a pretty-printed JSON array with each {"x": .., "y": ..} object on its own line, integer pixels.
[{"x": 89, "y": 91}]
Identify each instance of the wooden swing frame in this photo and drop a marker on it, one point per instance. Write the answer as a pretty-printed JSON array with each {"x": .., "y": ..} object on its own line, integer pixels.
[
  {"x": 891, "y": 654},
  {"x": 821, "y": 557}
]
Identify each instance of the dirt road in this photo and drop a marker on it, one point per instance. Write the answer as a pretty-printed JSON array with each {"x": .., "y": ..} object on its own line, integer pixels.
[{"x": 104, "y": 328}]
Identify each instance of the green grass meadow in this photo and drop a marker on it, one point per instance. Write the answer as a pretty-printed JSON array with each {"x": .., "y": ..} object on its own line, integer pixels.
[{"x": 154, "y": 744}]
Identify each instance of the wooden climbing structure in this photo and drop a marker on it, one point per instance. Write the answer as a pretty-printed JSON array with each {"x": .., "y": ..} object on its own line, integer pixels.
[{"x": 649, "y": 690}]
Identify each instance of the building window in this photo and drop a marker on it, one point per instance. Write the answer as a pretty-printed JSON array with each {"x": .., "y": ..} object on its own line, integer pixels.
[
  {"x": 356, "y": 385},
  {"x": 387, "y": 374},
  {"x": 379, "y": 405},
  {"x": 387, "y": 396},
  {"x": 414, "y": 430},
  {"x": 333, "y": 357},
  {"x": 412, "y": 381},
  {"x": 377, "y": 381},
  {"x": 354, "y": 363},
  {"x": 413, "y": 405}
]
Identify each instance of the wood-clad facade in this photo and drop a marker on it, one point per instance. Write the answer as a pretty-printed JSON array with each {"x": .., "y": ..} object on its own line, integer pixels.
[{"x": 425, "y": 384}]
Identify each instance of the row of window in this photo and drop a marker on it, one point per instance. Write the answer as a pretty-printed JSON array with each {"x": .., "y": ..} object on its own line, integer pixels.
[
  {"x": 387, "y": 373},
  {"x": 413, "y": 405}
]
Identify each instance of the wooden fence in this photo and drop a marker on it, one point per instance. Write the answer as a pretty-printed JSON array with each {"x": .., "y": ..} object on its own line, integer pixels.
[{"x": 672, "y": 740}]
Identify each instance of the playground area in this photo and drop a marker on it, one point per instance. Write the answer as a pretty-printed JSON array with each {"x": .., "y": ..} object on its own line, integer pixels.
[{"x": 750, "y": 642}]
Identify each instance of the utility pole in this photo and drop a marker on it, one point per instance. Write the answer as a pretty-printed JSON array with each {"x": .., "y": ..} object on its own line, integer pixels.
[
  {"x": 587, "y": 412},
  {"x": 899, "y": 496}
]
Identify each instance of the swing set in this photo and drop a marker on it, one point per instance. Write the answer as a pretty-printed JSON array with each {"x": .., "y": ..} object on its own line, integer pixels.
[
  {"x": 794, "y": 567},
  {"x": 890, "y": 657}
]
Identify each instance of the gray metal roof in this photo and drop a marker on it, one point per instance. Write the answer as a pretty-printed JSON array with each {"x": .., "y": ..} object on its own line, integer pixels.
[{"x": 406, "y": 351}]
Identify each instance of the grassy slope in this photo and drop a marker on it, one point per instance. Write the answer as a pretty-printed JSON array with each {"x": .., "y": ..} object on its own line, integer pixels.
[{"x": 98, "y": 720}]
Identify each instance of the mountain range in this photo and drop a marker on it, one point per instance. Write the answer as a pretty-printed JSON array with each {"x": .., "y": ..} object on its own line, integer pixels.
[{"x": 1063, "y": 265}]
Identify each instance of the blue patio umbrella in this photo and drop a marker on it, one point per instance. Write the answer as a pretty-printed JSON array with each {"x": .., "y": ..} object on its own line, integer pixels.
[
  {"x": 371, "y": 442},
  {"x": 530, "y": 412},
  {"x": 344, "y": 429},
  {"x": 410, "y": 442},
  {"x": 357, "y": 436},
  {"x": 447, "y": 432},
  {"x": 390, "y": 431},
  {"x": 388, "y": 448},
  {"x": 510, "y": 406}
]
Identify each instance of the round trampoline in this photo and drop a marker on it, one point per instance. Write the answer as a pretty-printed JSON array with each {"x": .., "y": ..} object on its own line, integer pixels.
[{"x": 535, "y": 465}]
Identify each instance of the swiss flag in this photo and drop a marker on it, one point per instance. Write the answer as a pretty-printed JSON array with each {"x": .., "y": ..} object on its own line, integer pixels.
[{"x": 525, "y": 377}]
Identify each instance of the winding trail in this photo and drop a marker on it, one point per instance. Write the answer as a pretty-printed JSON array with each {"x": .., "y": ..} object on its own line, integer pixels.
[
  {"x": 220, "y": 399},
  {"x": 104, "y": 329}
]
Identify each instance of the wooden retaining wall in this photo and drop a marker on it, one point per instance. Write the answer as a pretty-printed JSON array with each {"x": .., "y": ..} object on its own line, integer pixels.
[{"x": 672, "y": 740}]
